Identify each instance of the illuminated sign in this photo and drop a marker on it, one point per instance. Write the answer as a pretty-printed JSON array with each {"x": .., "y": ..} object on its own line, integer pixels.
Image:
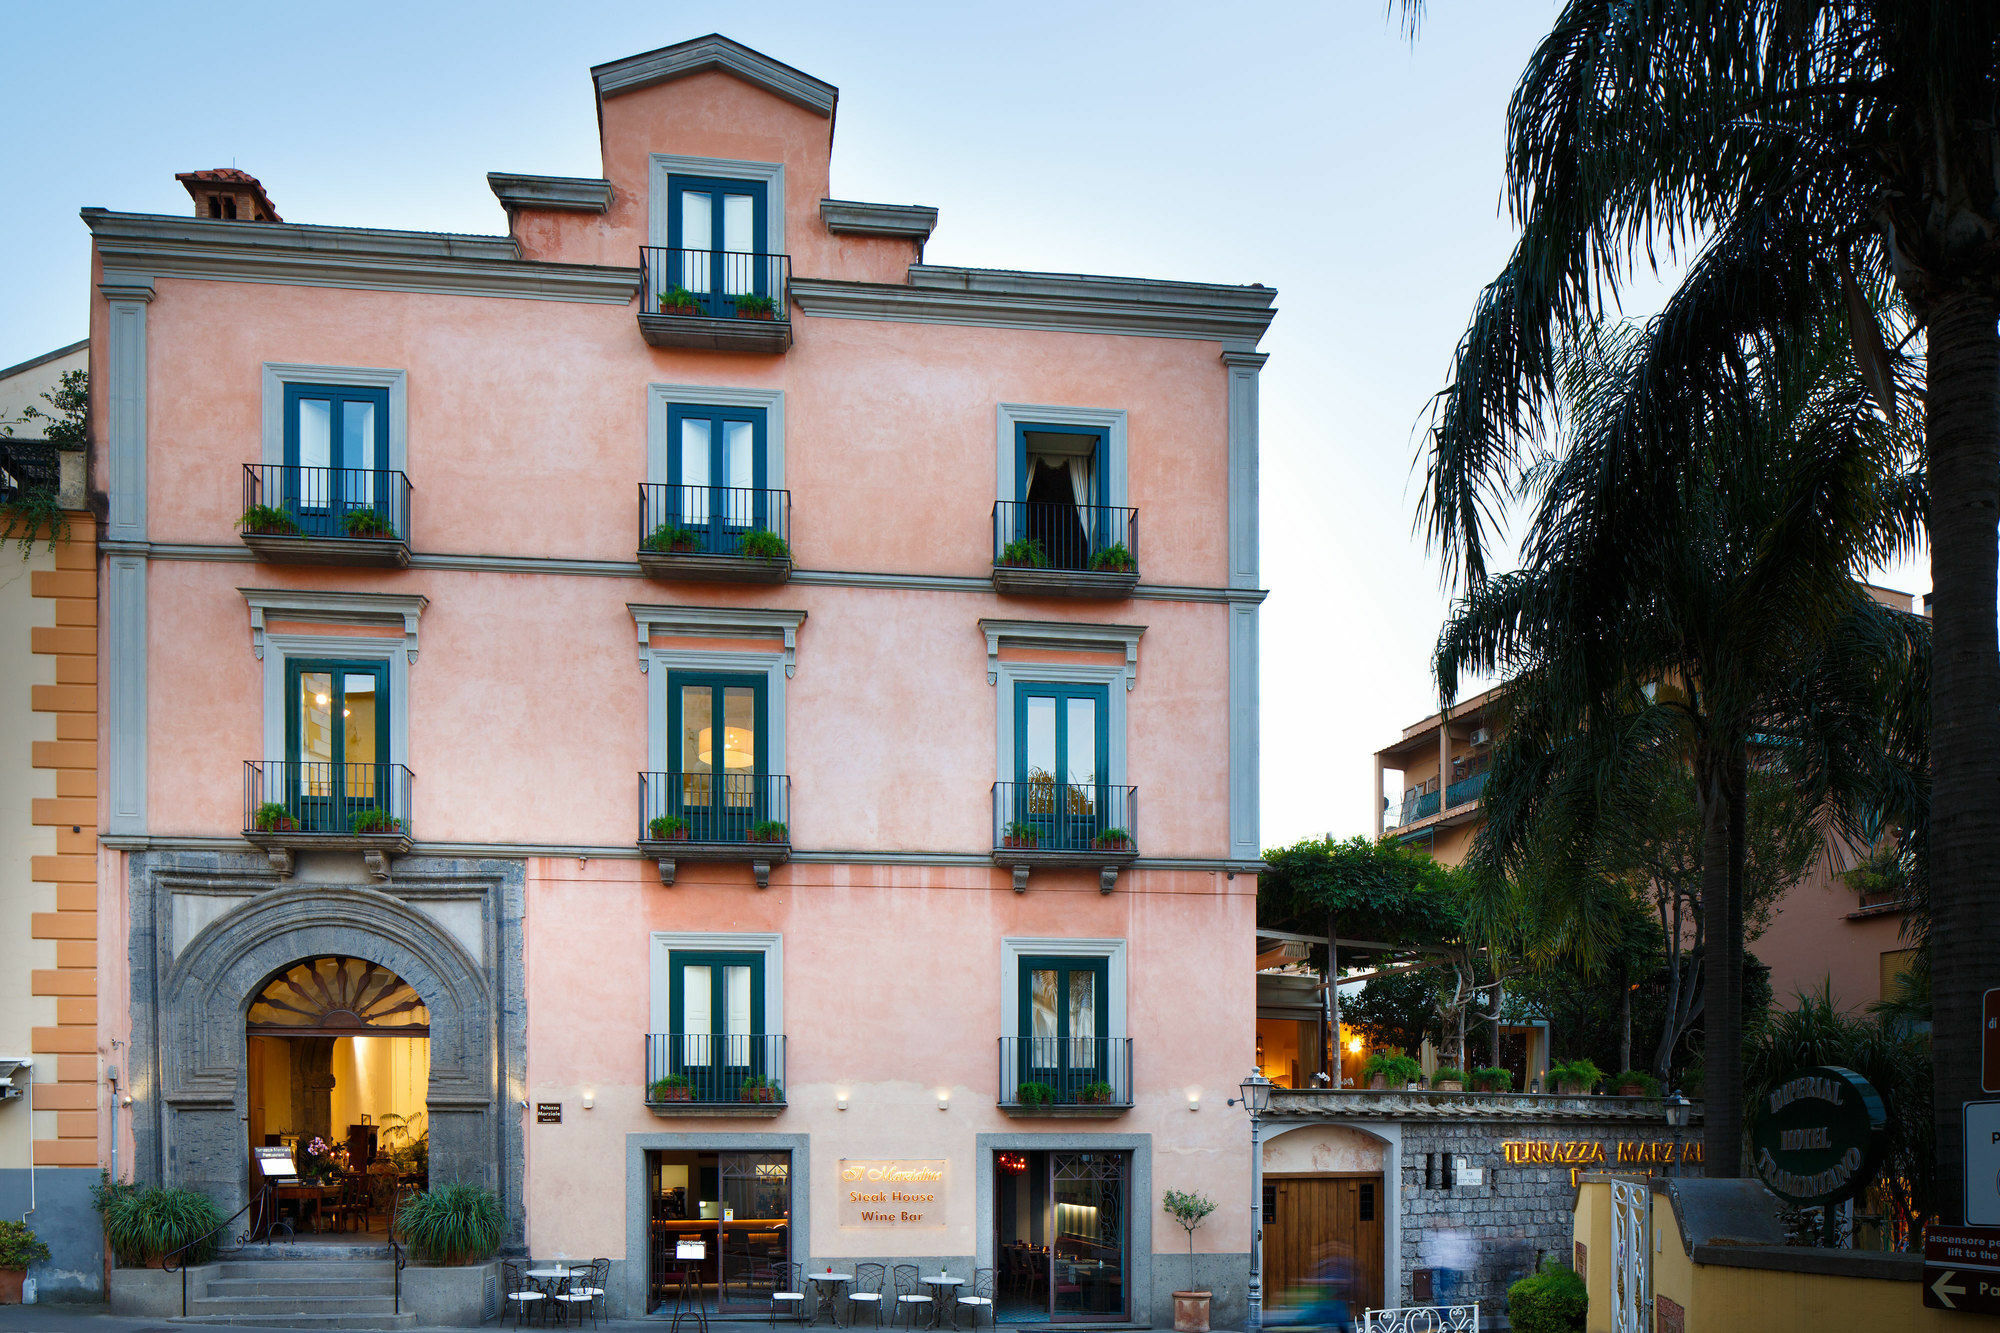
[
  {"x": 894, "y": 1193},
  {"x": 1581, "y": 1155}
]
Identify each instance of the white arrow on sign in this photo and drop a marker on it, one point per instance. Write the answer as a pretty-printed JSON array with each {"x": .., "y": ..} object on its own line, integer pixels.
[{"x": 1944, "y": 1293}]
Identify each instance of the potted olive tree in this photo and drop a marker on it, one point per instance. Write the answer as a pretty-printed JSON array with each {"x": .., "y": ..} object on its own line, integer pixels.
[
  {"x": 1188, "y": 1209},
  {"x": 19, "y": 1247}
]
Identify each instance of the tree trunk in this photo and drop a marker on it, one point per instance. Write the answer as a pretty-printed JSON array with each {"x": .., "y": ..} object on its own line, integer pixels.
[
  {"x": 1624, "y": 1018},
  {"x": 1332, "y": 1005},
  {"x": 1499, "y": 1003},
  {"x": 1962, "y": 429},
  {"x": 1722, "y": 1028}
]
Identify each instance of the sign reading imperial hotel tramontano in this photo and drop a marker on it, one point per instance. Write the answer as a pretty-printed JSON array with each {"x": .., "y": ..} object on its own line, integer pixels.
[
  {"x": 896, "y": 1193},
  {"x": 1817, "y": 1136}
]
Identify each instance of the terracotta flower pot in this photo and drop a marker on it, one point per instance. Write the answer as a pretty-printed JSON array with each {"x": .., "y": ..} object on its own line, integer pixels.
[
  {"x": 676, "y": 1094},
  {"x": 1012, "y": 841},
  {"x": 1191, "y": 1312},
  {"x": 1629, "y": 1090},
  {"x": 1380, "y": 1083},
  {"x": 756, "y": 314},
  {"x": 1450, "y": 1085},
  {"x": 1572, "y": 1090},
  {"x": 10, "y": 1285}
]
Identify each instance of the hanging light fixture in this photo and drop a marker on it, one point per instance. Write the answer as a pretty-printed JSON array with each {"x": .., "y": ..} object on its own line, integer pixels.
[{"x": 739, "y": 747}]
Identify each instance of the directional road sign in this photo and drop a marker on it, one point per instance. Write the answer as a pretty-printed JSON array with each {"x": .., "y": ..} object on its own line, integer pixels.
[{"x": 1962, "y": 1269}]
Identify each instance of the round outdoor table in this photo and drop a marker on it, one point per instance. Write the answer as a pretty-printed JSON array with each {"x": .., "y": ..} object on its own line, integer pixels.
[
  {"x": 550, "y": 1280},
  {"x": 825, "y": 1280},
  {"x": 944, "y": 1287}
]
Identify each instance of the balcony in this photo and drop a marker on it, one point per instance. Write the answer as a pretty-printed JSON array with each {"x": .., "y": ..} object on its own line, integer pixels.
[
  {"x": 708, "y": 1074},
  {"x": 312, "y": 806},
  {"x": 326, "y": 516},
  {"x": 1086, "y": 1078},
  {"x": 1062, "y": 550},
  {"x": 741, "y": 817},
  {"x": 718, "y": 300},
  {"x": 1049, "y": 825},
  {"x": 715, "y": 534}
]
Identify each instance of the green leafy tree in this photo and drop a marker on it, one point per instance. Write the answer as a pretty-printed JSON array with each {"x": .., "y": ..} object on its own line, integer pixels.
[
  {"x": 1802, "y": 161},
  {"x": 35, "y": 511},
  {"x": 1649, "y": 642}
]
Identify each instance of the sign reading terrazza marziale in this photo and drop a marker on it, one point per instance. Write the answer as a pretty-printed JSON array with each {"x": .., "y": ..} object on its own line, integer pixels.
[
  {"x": 893, "y": 1193},
  {"x": 1816, "y": 1138}
]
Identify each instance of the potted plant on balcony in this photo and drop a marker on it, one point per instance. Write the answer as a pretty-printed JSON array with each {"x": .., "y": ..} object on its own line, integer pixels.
[
  {"x": 19, "y": 1247},
  {"x": 1021, "y": 835},
  {"x": 1114, "y": 559},
  {"x": 1492, "y": 1078},
  {"x": 1391, "y": 1069},
  {"x": 759, "y": 1090},
  {"x": 1024, "y": 553},
  {"x": 374, "y": 823},
  {"x": 368, "y": 523},
  {"x": 1634, "y": 1083},
  {"x": 1113, "y": 840},
  {"x": 672, "y": 1088},
  {"x": 770, "y": 830},
  {"x": 672, "y": 539},
  {"x": 763, "y": 544},
  {"x": 679, "y": 301},
  {"x": 752, "y": 306},
  {"x": 1094, "y": 1094},
  {"x": 273, "y": 817},
  {"x": 1188, "y": 1209},
  {"x": 1448, "y": 1079},
  {"x": 268, "y": 521},
  {"x": 1032, "y": 1093},
  {"x": 667, "y": 828},
  {"x": 1575, "y": 1078}
]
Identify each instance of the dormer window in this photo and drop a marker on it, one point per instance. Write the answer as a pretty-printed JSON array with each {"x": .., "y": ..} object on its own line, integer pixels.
[{"x": 716, "y": 229}]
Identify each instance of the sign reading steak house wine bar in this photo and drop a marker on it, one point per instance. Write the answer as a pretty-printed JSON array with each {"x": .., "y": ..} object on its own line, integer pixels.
[{"x": 899, "y": 1193}]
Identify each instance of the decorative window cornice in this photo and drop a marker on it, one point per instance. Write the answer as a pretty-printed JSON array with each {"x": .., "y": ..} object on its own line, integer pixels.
[
  {"x": 398, "y": 610},
  {"x": 715, "y": 52},
  {"x": 718, "y": 622},
  {"x": 554, "y": 194},
  {"x": 1062, "y": 635}
]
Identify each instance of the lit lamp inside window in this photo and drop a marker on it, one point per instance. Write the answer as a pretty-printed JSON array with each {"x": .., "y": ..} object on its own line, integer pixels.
[
  {"x": 1354, "y": 1044},
  {"x": 738, "y": 747}
]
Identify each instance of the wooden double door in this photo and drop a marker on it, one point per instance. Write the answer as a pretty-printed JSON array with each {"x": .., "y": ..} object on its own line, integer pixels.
[{"x": 1323, "y": 1240}]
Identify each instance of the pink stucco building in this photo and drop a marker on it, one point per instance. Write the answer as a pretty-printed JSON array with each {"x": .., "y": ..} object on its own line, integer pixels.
[{"x": 694, "y": 715}]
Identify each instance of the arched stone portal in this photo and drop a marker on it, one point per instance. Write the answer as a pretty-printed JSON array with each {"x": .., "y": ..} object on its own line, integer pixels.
[{"x": 207, "y": 985}]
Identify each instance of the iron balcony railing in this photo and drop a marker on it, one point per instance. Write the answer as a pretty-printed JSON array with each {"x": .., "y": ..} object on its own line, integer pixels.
[
  {"x": 281, "y": 500},
  {"x": 745, "y": 808},
  {"x": 1065, "y": 1071},
  {"x": 704, "y": 1068},
  {"x": 312, "y": 796},
  {"x": 1100, "y": 539},
  {"x": 719, "y": 284},
  {"x": 714, "y": 520},
  {"x": 1049, "y": 816},
  {"x": 1465, "y": 789}
]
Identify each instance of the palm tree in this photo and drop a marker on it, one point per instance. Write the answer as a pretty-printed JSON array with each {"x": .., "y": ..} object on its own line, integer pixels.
[
  {"x": 1656, "y": 628},
  {"x": 1807, "y": 155}
]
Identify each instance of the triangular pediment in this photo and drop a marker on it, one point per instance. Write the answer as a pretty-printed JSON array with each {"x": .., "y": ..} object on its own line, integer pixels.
[{"x": 715, "y": 52}]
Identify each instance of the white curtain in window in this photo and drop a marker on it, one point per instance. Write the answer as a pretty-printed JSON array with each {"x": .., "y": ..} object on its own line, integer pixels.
[
  {"x": 1080, "y": 486},
  {"x": 694, "y": 471},
  {"x": 697, "y": 1016},
  {"x": 697, "y": 239}
]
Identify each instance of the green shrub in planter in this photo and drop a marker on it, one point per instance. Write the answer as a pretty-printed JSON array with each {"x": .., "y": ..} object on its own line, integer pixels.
[
  {"x": 1114, "y": 559},
  {"x": 763, "y": 544},
  {"x": 273, "y": 817},
  {"x": 770, "y": 830},
  {"x": 374, "y": 822},
  {"x": 1635, "y": 1083},
  {"x": 20, "y": 1247},
  {"x": 1035, "y": 1094},
  {"x": 1447, "y": 1074},
  {"x": 1551, "y": 1301},
  {"x": 366, "y": 523},
  {"x": 268, "y": 520},
  {"x": 665, "y": 828},
  {"x": 1395, "y": 1069},
  {"x": 1579, "y": 1074},
  {"x": 145, "y": 1223},
  {"x": 673, "y": 539},
  {"x": 1492, "y": 1079},
  {"x": 457, "y": 1224},
  {"x": 1024, "y": 552}
]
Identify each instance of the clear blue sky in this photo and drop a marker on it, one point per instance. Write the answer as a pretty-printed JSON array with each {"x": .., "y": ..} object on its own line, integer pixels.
[{"x": 1306, "y": 146}]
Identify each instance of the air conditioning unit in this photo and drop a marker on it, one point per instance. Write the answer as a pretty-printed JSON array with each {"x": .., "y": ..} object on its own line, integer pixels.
[{"x": 1481, "y": 737}]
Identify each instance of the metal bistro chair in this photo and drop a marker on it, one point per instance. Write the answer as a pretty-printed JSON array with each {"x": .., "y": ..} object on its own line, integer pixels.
[
  {"x": 571, "y": 1296},
  {"x": 866, "y": 1291},
  {"x": 787, "y": 1292},
  {"x": 599, "y": 1279},
  {"x": 980, "y": 1299},
  {"x": 520, "y": 1291},
  {"x": 910, "y": 1294}
]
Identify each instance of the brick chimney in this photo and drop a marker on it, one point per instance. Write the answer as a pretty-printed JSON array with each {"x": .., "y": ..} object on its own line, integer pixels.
[{"x": 229, "y": 194}]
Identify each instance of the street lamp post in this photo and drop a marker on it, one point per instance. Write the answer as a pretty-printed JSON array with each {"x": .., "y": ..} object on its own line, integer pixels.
[
  {"x": 1679, "y": 1112},
  {"x": 1256, "y": 1099}
]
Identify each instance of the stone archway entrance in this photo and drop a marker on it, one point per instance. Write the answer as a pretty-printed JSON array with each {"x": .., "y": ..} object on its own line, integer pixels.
[
  {"x": 332, "y": 960},
  {"x": 337, "y": 1071}
]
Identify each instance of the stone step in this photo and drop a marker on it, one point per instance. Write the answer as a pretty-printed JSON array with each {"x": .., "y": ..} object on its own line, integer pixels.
[
  {"x": 288, "y": 1285},
  {"x": 304, "y": 1251},
  {"x": 298, "y": 1268},
  {"x": 290, "y": 1305},
  {"x": 403, "y": 1320}
]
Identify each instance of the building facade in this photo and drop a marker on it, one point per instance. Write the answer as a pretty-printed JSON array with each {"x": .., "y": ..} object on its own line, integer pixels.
[
  {"x": 53, "y": 1093},
  {"x": 669, "y": 709}
]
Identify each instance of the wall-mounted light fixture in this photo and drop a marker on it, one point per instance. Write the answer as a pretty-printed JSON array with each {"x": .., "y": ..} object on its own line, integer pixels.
[
  {"x": 840, "y": 1101},
  {"x": 944, "y": 1100},
  {"x": 589, "y": 1101}
]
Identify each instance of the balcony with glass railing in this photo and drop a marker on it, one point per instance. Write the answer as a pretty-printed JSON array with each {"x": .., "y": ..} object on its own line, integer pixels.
[
  {"x": 720, "y": 300},
  {"x": 740, "y": 817}
]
